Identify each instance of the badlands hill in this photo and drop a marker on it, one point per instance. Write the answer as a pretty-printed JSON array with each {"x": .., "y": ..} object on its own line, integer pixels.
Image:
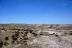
[{"x": 35, "y": 35}]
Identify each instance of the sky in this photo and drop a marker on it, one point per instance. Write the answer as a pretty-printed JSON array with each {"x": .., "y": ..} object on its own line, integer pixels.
[{"x": 36, "y": 11}]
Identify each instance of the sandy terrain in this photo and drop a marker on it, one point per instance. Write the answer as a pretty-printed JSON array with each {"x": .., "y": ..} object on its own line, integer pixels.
[{"x": 37, "y": 37}]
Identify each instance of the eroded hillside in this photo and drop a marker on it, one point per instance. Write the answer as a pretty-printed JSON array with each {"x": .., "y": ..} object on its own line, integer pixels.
[{"x": 35, "y": 36}]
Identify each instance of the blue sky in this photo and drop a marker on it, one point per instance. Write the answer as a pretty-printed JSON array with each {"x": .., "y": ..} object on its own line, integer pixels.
[{"x": 36, "y": 11}]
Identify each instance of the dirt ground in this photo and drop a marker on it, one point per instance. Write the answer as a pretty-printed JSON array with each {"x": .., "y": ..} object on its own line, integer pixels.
[{"x": 59, "y": 36}]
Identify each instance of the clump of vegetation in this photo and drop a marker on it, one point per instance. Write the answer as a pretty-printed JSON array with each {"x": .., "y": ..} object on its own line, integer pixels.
[
  {"x": 5, "y": 43},
  {"x": 70, "y": 33},
  {"x": 6, "y": 38},
  {"x": 14, "y": 37},
  {"x": 1, "y": 44}
]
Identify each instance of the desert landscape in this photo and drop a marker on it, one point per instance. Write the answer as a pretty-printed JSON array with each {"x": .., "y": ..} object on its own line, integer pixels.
[
  {"x": 35, "y": 23},
  {"x": 35, "y": 35}
]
